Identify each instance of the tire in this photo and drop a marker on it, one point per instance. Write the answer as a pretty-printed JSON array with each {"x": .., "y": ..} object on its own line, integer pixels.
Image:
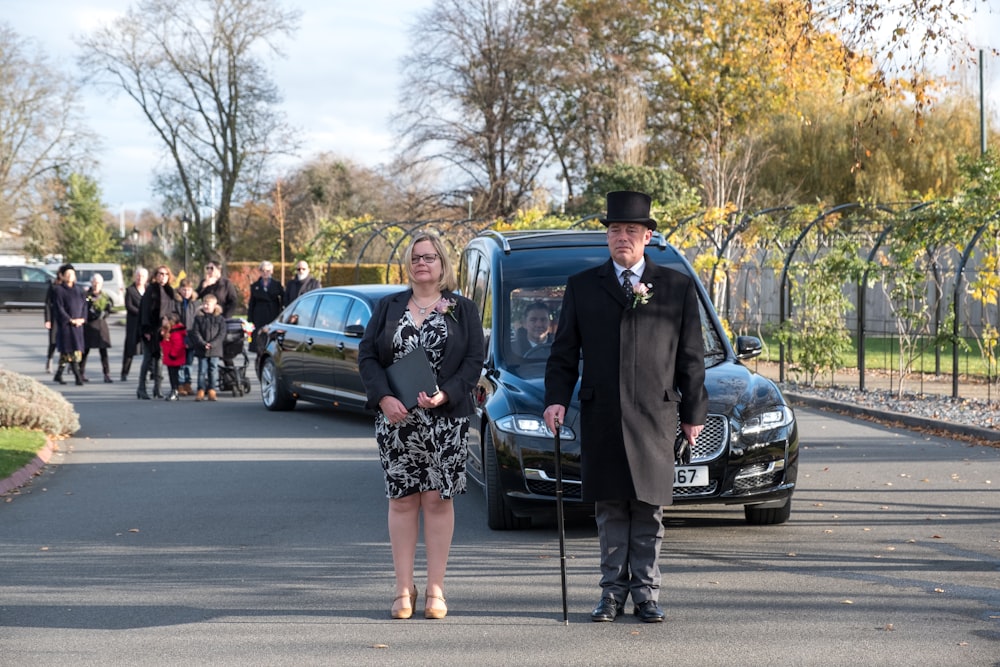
[
  {"x": 768, "y": 516},
  {"x": 274, "y": 397},
  {"x": 498, "y": 514}
]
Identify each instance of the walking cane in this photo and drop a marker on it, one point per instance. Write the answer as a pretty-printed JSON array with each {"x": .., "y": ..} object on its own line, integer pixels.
[{"x": 560, "y": 521}]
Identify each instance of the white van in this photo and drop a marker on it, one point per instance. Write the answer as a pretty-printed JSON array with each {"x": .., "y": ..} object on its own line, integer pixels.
[{"x": 114, "y": 282}]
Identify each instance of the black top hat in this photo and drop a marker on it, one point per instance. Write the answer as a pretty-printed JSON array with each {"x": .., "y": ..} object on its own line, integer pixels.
[{"x": 626, "y": 206}]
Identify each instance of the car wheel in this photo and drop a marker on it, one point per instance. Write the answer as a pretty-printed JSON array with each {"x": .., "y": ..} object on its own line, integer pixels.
[
  {"x": 274, "y": 397},
  {"x": 498, "y": 514},
  {"x": 768, "y": 516}
]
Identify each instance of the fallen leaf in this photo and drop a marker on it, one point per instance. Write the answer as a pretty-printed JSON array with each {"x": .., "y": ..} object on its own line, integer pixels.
[
  {"x": 939, "y": 590},
  {"x": 889, "y": 627},
  {"x": 936, "y": 537},
  {"x": 847, "y": 602},
  {"x": 925, "y": 480},
  {"x": 380, "y": 646},
  {"x": 133, "y": 530},
  {"x": 817, "y": 504},
  {"x": 792, "y": 554},
  {"x": 890, "y": 548},
  {"x": 44, "y": 549}
]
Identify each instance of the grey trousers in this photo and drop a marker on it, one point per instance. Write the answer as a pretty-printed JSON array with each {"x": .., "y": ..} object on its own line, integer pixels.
[{"x": 630, "y": 533}]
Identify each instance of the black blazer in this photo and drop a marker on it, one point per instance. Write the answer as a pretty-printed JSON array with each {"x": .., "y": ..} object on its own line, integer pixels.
[{"x": 461, "y": 364}]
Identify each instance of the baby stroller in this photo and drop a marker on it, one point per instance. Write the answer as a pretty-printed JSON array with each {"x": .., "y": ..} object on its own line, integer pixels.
[{"x": 233, "y": 377}]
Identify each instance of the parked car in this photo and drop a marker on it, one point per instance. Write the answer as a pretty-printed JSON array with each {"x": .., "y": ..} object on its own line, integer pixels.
[
  {"x": 24, "y": 286},
  {"x": 311, "y": 349},
  {"x": 114, "y": 282},
  {"x": 747, "y": 454}
]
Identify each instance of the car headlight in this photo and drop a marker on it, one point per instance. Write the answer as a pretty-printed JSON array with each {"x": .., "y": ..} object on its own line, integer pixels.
[
  {"x": 532, "y": 426},
  {"x": 769, "y": 419}
]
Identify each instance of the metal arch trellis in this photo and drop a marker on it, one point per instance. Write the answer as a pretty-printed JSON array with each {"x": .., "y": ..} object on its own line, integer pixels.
[
  {"x": 862, "y": 290},
  {"x": 956, "y": 298},
  {"x": 784, "y": 296}
]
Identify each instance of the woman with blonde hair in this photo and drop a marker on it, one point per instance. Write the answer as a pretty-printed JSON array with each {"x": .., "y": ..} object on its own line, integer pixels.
[{"x": 423, "y": 449}]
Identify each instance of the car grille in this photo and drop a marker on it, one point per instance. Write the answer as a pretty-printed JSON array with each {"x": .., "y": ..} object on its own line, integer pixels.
[
  {"x": 571, "y": 490},
  {"x": 712, "y": 441},
  {"x": 688, "y": 491},
  {"x": 711, "y": 444}
]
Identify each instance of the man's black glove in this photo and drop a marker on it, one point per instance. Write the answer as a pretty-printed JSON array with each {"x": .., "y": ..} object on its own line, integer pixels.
[{"x": 682, "y": 450}]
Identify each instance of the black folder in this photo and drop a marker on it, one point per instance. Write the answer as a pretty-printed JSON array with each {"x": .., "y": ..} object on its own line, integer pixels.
[{"x": 410, "y": 375}]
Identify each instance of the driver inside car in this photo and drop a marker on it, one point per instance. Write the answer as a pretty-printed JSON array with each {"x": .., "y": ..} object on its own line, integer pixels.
[{"x": 535, "y": 328}]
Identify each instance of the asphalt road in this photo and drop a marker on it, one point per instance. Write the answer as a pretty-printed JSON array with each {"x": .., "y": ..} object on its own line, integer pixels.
[{"x": 219, "y": 533}]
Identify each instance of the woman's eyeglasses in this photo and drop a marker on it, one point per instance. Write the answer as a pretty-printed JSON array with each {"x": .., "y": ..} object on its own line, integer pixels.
[
  {"x": 426, "y": 259},
  {"x": 210, "y": 268}
]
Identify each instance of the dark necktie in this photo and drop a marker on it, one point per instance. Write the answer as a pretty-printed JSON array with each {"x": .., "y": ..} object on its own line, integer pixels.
[{"x": 627, "y": 283}]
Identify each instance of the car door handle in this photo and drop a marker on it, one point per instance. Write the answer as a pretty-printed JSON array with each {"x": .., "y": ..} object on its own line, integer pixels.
[
  {"x": 340, "y": 346},
  {"x": 310, "y": 342}
]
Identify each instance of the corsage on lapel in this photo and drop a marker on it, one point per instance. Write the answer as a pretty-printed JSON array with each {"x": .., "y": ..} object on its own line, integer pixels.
[
  {"x": 641, "y": 294},
  {"x": 447, "y": 307}
]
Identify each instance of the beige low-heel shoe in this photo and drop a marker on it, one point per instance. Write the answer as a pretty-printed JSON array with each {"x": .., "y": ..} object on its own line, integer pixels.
[
  {"x": 434, "y": 612},
  {"x": 404, "y": 612}
]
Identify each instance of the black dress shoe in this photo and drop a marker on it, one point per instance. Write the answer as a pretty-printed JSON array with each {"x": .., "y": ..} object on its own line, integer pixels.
[
  {"x": 608, "y": 609},
  {"x": 649, "y": 612}
]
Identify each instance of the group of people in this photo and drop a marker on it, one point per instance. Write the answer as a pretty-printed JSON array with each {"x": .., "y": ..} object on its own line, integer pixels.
[
  {"x": 181, "y": 328},
  {"x": 633, "y": 397}
]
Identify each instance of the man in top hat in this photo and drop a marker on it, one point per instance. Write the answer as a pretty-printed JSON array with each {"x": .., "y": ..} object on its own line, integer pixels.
[{"x": 638, "y": 327}]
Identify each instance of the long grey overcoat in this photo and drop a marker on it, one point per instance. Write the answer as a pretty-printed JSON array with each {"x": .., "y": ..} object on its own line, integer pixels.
[{"x": 643, "y": 367}]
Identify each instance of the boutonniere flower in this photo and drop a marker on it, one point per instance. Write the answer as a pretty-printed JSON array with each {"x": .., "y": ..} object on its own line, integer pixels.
[
  {"x": 641, "y": 294},
  {"x": 447, "y": 307}
]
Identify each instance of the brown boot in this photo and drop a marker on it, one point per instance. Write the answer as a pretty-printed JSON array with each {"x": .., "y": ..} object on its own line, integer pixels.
[
  {"x": 211, "y": 394},
  {"x": 200, "y": 396},
  {"x": 185, "y": 389}
]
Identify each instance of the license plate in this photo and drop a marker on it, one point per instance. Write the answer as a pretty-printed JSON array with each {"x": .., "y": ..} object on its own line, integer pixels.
[{"x": 691, "y": 476}]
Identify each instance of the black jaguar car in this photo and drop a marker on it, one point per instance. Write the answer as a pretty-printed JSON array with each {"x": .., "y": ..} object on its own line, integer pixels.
[
  {"x": 311, "y": 349},
  {"x": 746, "y": 455}
]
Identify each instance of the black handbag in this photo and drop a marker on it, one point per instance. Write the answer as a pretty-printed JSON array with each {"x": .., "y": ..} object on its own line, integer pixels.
[{"x": 682, "y": 450}]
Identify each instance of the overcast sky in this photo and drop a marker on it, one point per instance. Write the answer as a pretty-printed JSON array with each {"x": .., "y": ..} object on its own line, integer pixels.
[{"x": 339, "y": 82}]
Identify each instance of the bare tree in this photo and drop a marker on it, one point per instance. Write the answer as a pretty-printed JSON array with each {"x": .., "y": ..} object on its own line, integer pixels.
[
  {"x": 467, "y": 100},
  {"x": 41, "y": 131},
  {"x": 195, "y": 69}
]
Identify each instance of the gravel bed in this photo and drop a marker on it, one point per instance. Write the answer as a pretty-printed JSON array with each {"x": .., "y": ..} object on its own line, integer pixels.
[{"x": 967, "y": 411}]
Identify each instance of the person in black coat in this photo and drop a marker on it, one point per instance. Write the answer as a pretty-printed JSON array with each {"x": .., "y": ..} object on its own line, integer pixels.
[
  {"x": 423, "y": 450},
  {"x": 70, "y": 307},
  {"x": 221, "y": 287},
  {"x": 267, "y": 298},
  {"x": 638, "y": 328},
  {"x": 50, "y": 325},
  {"x": 301, "y": 283},
  {"x": 95, "y": 332},
  {"x": 133, "y": 302},
  {"x": 158, "y": 302}
]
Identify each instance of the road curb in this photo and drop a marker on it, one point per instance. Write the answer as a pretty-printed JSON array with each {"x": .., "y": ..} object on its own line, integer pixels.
[
  {"x": 25, "y": 474},
  {"x": 910, "y": 421}
]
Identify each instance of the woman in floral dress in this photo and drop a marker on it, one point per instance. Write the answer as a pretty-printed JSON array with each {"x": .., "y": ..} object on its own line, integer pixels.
[{"x": 423, "y": 450}]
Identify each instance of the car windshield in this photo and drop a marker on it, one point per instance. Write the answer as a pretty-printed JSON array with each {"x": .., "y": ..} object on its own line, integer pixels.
[{"x": 531, "y": 313}]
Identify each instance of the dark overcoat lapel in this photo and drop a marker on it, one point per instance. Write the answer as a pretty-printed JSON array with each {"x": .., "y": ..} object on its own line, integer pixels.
[{"x": 638, "y": 365}]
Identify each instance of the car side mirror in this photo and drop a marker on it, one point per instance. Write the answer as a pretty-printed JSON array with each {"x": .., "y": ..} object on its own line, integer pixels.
[
  {"x": 354, "y": 331},
  {"x": 748, "y": 347}
]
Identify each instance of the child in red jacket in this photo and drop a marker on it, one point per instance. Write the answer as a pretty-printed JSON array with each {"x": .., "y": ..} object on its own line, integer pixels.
[{"x": 172, "y": 335}]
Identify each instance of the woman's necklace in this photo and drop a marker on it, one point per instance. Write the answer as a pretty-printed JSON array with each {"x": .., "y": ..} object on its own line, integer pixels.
[{"x": 423, "y": 309}]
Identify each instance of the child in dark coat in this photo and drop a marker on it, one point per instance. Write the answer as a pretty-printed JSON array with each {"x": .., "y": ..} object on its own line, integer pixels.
[
  {"x": 173, "y": 350},
  {"x": 206, "y": 339}
]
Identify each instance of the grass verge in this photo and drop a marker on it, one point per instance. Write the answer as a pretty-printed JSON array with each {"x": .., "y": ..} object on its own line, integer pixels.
[{"x": 17, "y": 447}]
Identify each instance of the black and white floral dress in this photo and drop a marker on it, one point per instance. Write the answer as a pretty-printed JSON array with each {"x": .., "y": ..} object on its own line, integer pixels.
[{"x": 424, "y": 452}]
